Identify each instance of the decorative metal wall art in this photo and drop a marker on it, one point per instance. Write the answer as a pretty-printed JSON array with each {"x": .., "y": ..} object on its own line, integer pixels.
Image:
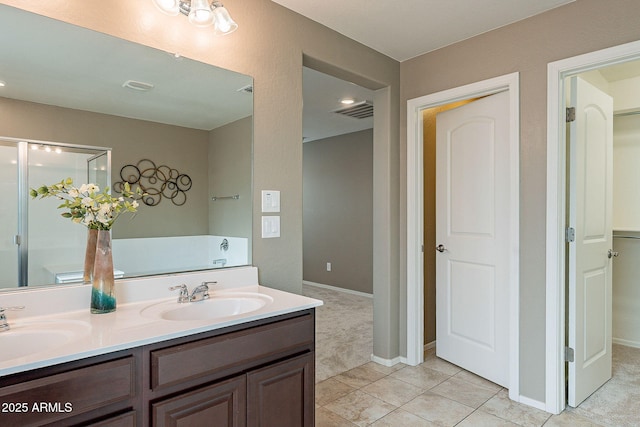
[{"x": 157, "y": 182}]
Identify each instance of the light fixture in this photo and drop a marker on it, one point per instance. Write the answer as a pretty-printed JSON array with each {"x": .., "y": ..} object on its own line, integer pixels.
[
  {"x": 201, "y": 13},
  {"x": 2, "y": 84},
  {"x": 347, "y": 101}
]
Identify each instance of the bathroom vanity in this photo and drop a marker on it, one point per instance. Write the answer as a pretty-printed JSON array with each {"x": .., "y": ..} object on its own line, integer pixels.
[{"x": 141, "y": 366}]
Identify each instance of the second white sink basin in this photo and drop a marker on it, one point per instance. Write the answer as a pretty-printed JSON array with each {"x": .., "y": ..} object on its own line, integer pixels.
[
  {"x": 28, "y": 338},
  {"x": 216, "y": 307}
]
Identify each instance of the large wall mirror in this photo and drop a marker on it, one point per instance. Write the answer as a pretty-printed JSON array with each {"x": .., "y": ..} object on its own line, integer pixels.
[{"x": 81, "y": 104}]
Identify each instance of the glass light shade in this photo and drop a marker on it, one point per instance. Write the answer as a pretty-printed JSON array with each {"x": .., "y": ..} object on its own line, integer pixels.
[
  {"x": 201, "y": 14},
  {"x": 170, "y": 7},
  {"x": 224, "y": 23}
]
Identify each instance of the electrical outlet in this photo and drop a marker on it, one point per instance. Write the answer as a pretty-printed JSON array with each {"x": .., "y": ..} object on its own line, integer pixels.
[{"x": 328, "y": 266}]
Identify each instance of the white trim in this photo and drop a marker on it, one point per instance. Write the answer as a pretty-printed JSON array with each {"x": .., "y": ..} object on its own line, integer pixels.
[
  {"x": 415, "y": 273},
  {"x": 430, "y": 345},
  {"x": 626, "y": 343},
  {"x": 556, "y": 202},
  {"x": 335, "y": 288},
  {"x": 532, "y": 402},
  {"x": 386, "y": 362}
]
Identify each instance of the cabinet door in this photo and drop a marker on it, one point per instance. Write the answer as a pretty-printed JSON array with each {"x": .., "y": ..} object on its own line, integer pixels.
[
  {"x": 282, "y": 395},
  {"x": 221, "y": 405}
]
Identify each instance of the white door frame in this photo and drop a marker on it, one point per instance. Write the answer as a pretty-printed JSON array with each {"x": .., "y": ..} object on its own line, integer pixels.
[
  {"x": 415, "y": 219},
  {"x": 555, "y": 399}
]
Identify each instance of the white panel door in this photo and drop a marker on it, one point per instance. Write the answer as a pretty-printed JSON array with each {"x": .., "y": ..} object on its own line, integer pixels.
[
  {"x": 472, "y": 233},
  {"x": 590, "y": 214}
]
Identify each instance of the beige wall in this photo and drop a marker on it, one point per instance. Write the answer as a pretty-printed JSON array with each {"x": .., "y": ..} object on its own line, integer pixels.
[
  {"x": 180, "y": 148},
  {"x": 230, "y": 174},
  {"x": 338, "y": 202},
  {"x": 525, "y": 47}
]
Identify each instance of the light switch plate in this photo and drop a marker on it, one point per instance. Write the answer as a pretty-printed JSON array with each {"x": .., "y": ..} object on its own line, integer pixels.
[
  {"x": 270, "y": 226},
  {"x": 270, "y": 201}
]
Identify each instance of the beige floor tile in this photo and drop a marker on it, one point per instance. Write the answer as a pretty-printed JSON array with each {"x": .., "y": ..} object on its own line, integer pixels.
[
  {"x": 441, "y": 365},
  {"x": 524, "y": 415},
  {"x": 330, "y": 390},
  {"x": 360, "y": 376},
  {"x": 326, "y": 418},
  {"x": 386, "y": 369},
  {"x": 482, "y": 419},
  {"x": 474, "y": 379},
  {"x": 360, "y": 408},
  {"x": 464, "y": 392},
  {"x": 569, "y": 419},
  {"x": 402, "y": 418},
  {"x": 437, "y": 409},
  {"x": 420, "y": 376},
  {"x": 393, "y": 391}
]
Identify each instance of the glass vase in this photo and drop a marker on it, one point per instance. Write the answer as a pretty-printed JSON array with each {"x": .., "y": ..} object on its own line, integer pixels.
[
  {"x": 103, "y": 293},
  {"x": 90, "y": 255}
]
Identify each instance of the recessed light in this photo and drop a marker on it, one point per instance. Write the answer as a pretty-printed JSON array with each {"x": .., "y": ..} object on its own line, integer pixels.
[
  {"x": 347, "y": 101},
  {"x": 2, "y": 83}
]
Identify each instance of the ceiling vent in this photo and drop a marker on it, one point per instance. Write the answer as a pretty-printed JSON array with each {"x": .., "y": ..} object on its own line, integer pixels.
[{"x": 359, "y": 110}]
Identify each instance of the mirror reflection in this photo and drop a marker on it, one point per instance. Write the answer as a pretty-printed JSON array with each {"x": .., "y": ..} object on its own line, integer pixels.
[{"x": 81, "y": 104}]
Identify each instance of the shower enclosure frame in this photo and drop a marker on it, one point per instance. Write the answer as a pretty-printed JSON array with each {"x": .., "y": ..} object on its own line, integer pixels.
[{"x": 21, "y": 239}]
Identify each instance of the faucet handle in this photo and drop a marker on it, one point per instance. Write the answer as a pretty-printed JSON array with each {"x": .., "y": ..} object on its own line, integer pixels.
[
  {"x": 4, "y": 325},
  {"x": 208, "y": 283},
  {"x": 184, "y": 292}
]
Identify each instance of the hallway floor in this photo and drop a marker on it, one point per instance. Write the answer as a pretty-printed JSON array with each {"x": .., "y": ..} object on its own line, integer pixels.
[{"x": 437, "y": 393}]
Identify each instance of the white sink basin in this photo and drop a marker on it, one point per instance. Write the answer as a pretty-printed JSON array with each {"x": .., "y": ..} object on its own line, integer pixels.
[
  {"x": 216, "y": 307},
  {"x": 29, "y": 338}
]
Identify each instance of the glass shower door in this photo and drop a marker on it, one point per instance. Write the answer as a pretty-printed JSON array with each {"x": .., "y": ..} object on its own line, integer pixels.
[
  {"x": 56, "y": 244},
  {"x": 9, "y": 249}
]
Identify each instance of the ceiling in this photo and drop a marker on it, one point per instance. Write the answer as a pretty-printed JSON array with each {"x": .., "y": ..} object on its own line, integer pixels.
[
  {"x": 402, "y": 30},
  {"x": 407, "y": 28}
]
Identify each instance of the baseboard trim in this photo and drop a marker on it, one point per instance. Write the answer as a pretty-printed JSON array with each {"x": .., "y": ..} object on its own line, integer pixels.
[
  {"x": 430, "y": 345},
  {"x": 532, "y": 402},
  {"x": 386, "y": 362},
  {"x": 627, "y": 343},
  {"x": 335, "y": 288}
]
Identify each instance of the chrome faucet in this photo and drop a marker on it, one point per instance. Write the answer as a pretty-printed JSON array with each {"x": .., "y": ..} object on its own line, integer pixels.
[
  {"x": 4, "y": 324},
  {"x": 184, "y": 292},
  {"x": 199, "y": 293}
]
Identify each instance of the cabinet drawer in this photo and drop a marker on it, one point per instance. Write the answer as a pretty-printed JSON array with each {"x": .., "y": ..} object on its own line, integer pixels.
[
  {"x": 71, "y": 393},
  {"x": 223, "y": 353}
]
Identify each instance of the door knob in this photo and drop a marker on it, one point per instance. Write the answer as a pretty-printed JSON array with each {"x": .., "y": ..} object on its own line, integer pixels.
[
  {"x": 440, "y": 248},
  {"x": 612, "y": 254}
]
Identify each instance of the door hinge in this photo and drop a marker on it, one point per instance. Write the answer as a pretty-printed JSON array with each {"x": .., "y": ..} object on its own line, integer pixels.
[
  {"x": 17, "y": 240},
  {"x": 571, "y": 114},
  {"x": 569, "y": 354},
  {"x": 571, "y": 234},
  {"x": 422, "y": 248}
]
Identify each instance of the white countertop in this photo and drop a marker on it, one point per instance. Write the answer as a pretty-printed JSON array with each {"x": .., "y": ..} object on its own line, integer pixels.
[{"x": 96, "y": 334}]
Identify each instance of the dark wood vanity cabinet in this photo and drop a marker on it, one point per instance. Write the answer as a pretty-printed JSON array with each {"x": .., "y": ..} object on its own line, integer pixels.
[{"x": 258, "y": 374}]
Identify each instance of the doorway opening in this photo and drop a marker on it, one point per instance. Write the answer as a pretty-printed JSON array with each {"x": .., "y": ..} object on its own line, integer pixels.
[
  {"x": 338, "y": 120},
  {"x": 415, "y": 214},
  {"x": 614, "y": 71}
]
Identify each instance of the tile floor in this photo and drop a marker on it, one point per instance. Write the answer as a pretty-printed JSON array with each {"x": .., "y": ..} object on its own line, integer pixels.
[{"x": 351, "y": 391}]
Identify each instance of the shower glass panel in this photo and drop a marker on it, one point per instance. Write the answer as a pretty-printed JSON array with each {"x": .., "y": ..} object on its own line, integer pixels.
[
  {"x": 37, "y": 244},
  {"x": 9, "y": 214},
  {"x": 98, "y": 167}
]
